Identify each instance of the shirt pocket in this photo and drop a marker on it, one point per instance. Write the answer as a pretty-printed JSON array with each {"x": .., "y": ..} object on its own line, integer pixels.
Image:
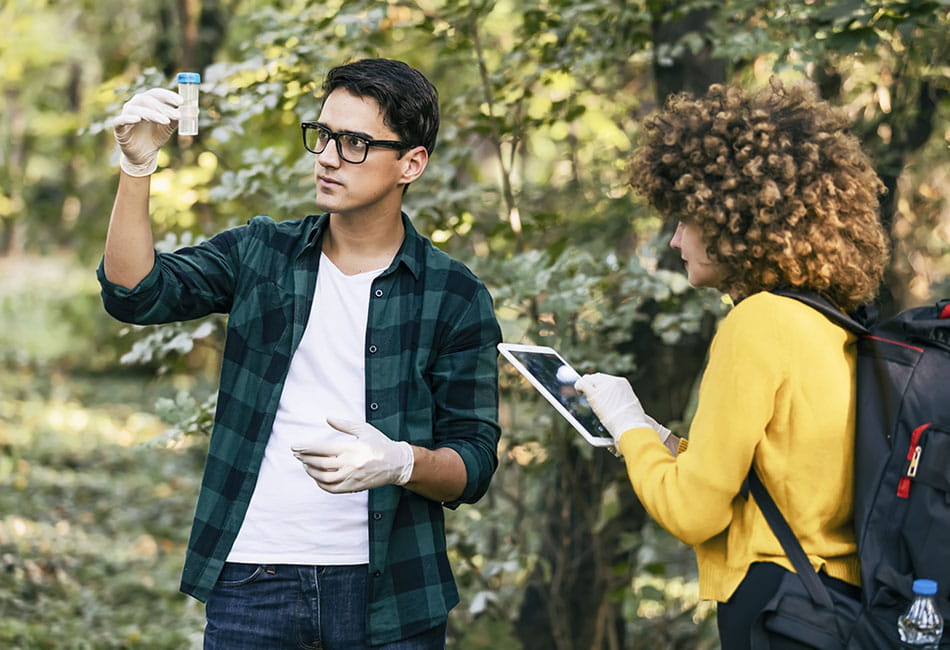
[{"x": 261, "y": 319}]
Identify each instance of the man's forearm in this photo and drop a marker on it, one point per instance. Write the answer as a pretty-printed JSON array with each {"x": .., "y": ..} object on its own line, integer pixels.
[
  {"x": 438, "y": 474},
  {"x": 129, "y": 250}
]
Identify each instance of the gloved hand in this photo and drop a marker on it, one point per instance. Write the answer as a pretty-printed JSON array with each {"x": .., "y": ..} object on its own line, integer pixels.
[
  {"x": 145, "y": 124},
  {"x": 615, "y": 403},
  {"x": 367, "y": 459}
]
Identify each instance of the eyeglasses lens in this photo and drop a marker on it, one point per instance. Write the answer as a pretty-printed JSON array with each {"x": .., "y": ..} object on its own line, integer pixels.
[{"x": 351, "y": 148}]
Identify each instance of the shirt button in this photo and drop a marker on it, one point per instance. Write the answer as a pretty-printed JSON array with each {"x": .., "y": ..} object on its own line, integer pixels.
[
  {"x": 379, "y": 293},
  {"x": 376, "y": 574},
  {"x": 377, "y": 516},
  {"x": 372, "y": 349},
  {"x": 374, "y": 406}
]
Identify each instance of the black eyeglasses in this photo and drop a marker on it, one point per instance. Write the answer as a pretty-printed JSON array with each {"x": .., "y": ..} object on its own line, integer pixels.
[{"x": 351, "y": 147}]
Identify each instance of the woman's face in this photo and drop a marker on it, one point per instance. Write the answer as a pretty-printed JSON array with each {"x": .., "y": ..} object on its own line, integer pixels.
[{"x": 700, "y": 270}]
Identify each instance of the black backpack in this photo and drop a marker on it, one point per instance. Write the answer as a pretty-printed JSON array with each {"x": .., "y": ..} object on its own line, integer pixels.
[{"x": 901, "y": 490}]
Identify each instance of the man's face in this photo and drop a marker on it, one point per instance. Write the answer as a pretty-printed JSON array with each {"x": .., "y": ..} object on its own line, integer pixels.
[{"x": 376, "y": 183}]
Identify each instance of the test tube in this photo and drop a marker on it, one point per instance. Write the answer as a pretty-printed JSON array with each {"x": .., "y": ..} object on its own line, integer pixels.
[{"x": 188, "y": 89}]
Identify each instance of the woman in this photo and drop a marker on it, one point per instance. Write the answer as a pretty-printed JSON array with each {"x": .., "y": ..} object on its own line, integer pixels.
[{"x": 768, "y": 190}]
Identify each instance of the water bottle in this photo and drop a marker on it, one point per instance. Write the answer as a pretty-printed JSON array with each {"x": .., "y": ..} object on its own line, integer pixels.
[{"x": 921, "y": 626}]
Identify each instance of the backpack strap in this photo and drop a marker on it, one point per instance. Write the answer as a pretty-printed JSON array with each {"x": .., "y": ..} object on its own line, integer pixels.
[
  {"x": 822, "y": 304},
  {"x": 793, "y": 549},
  {"x": 928, "y": 324}
]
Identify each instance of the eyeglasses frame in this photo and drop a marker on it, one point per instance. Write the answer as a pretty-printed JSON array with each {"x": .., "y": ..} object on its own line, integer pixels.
[{"x": 396, "y": 145}]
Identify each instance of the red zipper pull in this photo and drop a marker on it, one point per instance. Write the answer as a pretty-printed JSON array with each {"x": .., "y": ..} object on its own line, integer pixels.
[{"x": 913, "y": 460}]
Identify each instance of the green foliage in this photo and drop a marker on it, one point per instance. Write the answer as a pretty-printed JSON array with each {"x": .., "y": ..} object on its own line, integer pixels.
[
  {"x": 165, "y": 346},
  {"x": 186, "y": 415},
  {"x": 583, "y": 301},
  {"x": 811, "y": 31},
  {"x": 94, "y": 524},
  {"x": 52, "y": 316},
  {"x": 540, "y": 106}
]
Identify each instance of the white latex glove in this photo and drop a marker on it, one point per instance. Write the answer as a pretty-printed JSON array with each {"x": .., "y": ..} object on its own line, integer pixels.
[
  {"x": 368, "y": 458},
  {"x": 144, "y": 125},
  {"x": 615, "y": 403}
]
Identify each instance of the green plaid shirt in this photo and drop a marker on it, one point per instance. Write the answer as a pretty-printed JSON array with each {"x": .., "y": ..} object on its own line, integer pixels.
[{"x": 431, "y": 379}]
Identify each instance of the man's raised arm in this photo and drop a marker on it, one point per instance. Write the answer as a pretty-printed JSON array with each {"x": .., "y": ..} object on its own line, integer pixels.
[{"x": 144, "y": 125}]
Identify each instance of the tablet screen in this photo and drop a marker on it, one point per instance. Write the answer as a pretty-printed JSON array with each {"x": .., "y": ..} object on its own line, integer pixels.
[{"x": 555, "y": 378}]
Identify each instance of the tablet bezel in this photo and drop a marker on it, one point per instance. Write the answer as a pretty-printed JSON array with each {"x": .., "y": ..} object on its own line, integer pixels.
[{"x": 508, "y": 350}]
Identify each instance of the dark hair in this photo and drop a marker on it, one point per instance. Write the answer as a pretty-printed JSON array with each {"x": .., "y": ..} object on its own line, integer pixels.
[
  {"x": 409, "y": 102},
  {"x": 782, "y": 193}
]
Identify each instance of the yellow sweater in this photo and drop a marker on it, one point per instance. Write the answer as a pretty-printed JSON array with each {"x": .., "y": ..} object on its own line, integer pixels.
[{"x": 778, "y": 391}]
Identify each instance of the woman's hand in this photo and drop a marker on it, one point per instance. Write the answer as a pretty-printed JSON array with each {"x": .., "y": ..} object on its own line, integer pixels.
[{"x": 615, "y": 403}]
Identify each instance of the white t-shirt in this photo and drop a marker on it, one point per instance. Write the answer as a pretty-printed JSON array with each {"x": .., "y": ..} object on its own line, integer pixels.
[{"x": 290, "y": 519}]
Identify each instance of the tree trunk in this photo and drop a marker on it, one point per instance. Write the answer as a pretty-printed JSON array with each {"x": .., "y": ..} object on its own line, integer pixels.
[
  {"x": 567, "y": 603},
  {"x": 16, "y": 152},
  {"x": 689, "y": 71}
]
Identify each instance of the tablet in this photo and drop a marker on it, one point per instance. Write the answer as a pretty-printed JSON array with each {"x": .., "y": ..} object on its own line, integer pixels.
[{"x": 554, "y": 378}]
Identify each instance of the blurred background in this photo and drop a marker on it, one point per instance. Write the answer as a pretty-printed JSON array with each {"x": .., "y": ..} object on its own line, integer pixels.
[{"x": 103, "y": 427}]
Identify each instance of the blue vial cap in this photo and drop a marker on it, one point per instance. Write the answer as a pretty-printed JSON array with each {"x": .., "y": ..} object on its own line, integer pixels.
[
  {"x": 189, "y": 78},
  {"x": 925, "y": 587}
]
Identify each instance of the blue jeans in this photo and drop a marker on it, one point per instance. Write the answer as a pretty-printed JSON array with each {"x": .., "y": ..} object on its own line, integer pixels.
[{"x": 271, "y": 607}]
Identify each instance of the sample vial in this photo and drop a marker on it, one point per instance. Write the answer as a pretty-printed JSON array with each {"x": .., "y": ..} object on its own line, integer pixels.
[{"x": 188, "y": 89}]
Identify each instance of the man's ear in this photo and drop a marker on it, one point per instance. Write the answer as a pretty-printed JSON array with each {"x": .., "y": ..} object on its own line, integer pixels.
[{"x": 414, "y": 163}]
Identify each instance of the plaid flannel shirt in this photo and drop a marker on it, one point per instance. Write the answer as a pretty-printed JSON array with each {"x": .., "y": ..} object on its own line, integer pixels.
[{"x": 431, "y": 379}]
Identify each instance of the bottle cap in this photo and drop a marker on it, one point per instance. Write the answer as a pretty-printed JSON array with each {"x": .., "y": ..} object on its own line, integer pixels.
[
  {"x": 189, "y": 78},
  {"x": 925, "y": 587}
]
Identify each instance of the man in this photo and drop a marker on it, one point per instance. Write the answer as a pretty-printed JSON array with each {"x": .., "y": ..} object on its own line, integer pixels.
[{"x": 358, "y": 390}]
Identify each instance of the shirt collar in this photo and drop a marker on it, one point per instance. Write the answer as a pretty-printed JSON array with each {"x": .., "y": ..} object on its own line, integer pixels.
[{"x": 411, "y": 254}]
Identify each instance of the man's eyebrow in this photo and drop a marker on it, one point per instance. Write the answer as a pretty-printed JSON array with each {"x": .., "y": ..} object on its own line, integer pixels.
[{"x": 361, "y": 134}]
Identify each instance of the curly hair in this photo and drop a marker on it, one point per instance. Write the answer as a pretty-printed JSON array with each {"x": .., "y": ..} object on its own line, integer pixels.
[{"x": 782, "y": 193}]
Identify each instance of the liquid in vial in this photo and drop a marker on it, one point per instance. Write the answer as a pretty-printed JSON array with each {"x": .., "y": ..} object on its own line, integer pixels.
[{"x": 188, "y": 89}]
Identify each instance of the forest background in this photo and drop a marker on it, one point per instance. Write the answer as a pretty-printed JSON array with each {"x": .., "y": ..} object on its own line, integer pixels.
[{"x": 103, "y": 427}]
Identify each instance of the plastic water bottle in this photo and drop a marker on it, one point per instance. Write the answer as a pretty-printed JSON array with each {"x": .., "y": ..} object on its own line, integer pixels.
[
  {"x": 188, "y": 89},
  {"x": 921, "y": 626}
]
